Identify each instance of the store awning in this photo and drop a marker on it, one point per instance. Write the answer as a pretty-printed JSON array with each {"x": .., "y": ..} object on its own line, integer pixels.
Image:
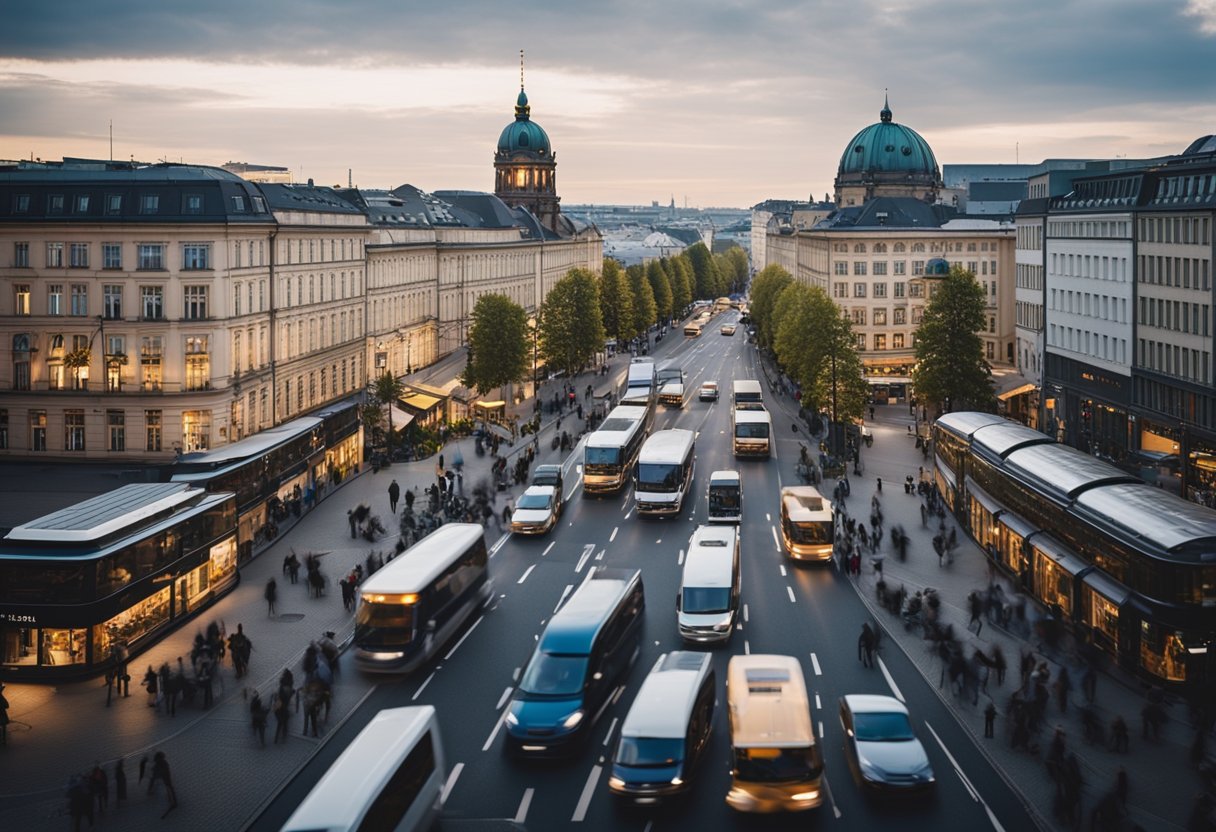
[
  {"x": 981, "y": 497},
  {"x": 491, "y": 405},
  {"x": 1016, "y": 524},
  {"x": 1107, "y": 587},
  {"x": 1058, "y": 553},
  {"x": 400, "y": 418},
  {"x": 420, "y": 402},
  {"x": 1017, "y": 391}
]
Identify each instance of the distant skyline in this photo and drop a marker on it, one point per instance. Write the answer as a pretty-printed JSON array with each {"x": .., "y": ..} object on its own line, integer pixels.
[{"x": 714, "y": 102}]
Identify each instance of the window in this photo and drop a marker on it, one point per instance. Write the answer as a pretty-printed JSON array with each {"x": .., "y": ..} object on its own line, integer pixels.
[
  {"x": 80, "y": 300},
  {"x": 236, "y": 300},
  {"x": 113, "y": 204},
  {"x": 880, "y": 290},
  {"x": 839, "y": 290},
  {"x": 859, "y": 317},
  {"x": 152, "y": 435},
  {"x": 115, "y": 358},
  {"x": 21, "y": 203},
  {"x": 916, "y": 290},
  {"x": 151, "y": 257},
  {"x": 859, "y": 290},
  {"x": 82, "y": 204},
  {"x": 897, "y": 341},
  {"x": 192, "y": 203},
  {"x": 898, "y": 267},
  {"x": 861, "y": 341},
  {"x": 54, "y": 204},
  {"x": 899, "y": 289},
  {"x": 79, "y": 255},
  {"x": 195, "y": 302},
  {"x": 21, "y": 255},
  {"x": 111, "y": 255},
  {"x": 880, "y": 342},
  {"x": 990, "y": 350},
  {"x": 196, "y": 256},
  {"x": 899, "y": 316},
  {"x": 21, "y": 361},
  {"x": 196, "y": 430},
  {"x": 149, "y": 203},
  {"x": 54, "y": 299},
  {"x": 238, "y": 205},
  {"x": 198, "y": 363},
  {"x": 152, "y": 302},
  {"x": 37, "y": 430},
  {"x": 880, "y": 317},
  {"x": 54, "y": 255},
  {"x": 859, "y": 268},
  {"x": 880, "y": 267},
  {"x": 73, "y": 430},
  {"x": 112, "y": 301},
  {"x": 151, "y": 355},
  {"x": 116, "y": 421},
  {"x": 21, "y": 299},
  {"x": 80, "y": 369}
]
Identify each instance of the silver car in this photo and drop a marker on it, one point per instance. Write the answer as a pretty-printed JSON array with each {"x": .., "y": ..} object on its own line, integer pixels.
[{"x": 881, "y": 747}]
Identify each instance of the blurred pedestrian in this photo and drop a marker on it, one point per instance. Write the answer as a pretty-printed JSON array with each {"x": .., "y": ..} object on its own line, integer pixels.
[
  {"x": 120, "y": 782},
  {"x": 989, "y": 720},
  {"x": 160, "y": 772},
  {"x": 271, "y": 594},
  {"x": 1122, "y": 787},
  {"x": 258, "y": 714},
  {"x": 99, "y": 788},
  {"x": 1120, "y": 739},
  {"x": 394, "y": 492}
]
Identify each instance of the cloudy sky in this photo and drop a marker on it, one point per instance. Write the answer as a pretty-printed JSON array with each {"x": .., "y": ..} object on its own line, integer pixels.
[{"x": 714, "y": 102}]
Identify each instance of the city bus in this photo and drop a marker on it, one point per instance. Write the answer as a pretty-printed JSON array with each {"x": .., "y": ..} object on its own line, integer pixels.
[
  {"x": 751, "y": 432},
  {"x": 664, "y": 472},
  {"x": 611, "y": 450},
  {"x": 775, "y": 761},
  {"x": 692, "y": 329},
  {"x": 412, "y": 605},
  {"x": 746, "y": 394},
  {"x": 390, "y": 777},
  {"x": 807, "y": 523}
]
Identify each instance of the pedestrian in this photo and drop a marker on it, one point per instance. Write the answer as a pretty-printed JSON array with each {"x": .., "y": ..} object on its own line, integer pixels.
[
  {"x": 257, "y": 713},
  {"x": 354, "y": 524},
  {"x": 271, "y": 594},
  {"x": 1063, "y": 685},
  {"x": 989, "y": 719},
  {"x": 506, "y": 514},
  {"x": 120, "y": 782},
  {"x": 409, "y": 500},
  {"x": 281, "y": 714},
  {"x": 80, "y": 801},
  {"x": 1122, "y": 787},
  {"x": 865, "y": 645},
  {"x": 151, "y": 685},
  {"x": 977, "y": 608},
  {"x": 99, "y": 788},
  {"x": 160, "y": 771},
  {"x": 880, "y": 485},
  {"x": 1120, "y": 739},
  {"x": 999, "y": 664},
  {"x": 924, "y": 516},
  {"x": 1089, "y": 683}
]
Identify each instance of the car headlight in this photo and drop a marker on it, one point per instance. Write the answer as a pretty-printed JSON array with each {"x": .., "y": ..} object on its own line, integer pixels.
[
  {"x": 616, "y": 783},
  {"x": 805, "y": 795},
  {"x": 868, "y": 768},
  {"x": 722, "y": 628},
  {"x": 571, "y": 722},
  {"x": 512, "y": 719},
  {"x": 677, "y": 781}
]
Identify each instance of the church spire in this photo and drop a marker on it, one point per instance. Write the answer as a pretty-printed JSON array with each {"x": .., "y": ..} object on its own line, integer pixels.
[
  {"x": 522, "y": 109},
  {"x": 885, "y": 113}
]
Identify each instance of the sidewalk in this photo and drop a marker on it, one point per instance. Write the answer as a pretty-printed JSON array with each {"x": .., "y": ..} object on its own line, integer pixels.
[
  {"x": 220, "y": 773},
  {"x": 1163, "y": 783}
]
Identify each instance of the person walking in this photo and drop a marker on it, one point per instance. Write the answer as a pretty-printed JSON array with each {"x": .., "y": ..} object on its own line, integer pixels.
[
  {"x": 976, "y": 607},
  {"x": 80, "y": 801},
  {"x": 151, "y": 685},
  {"x": 989, "y": 720},
  {"x": 258, "y": 714},
  {"x": 281, "y": 715},
  {"x": 120, "y": 782},
  {"x": 160, "y": 772},
  {"x": 394, "y": 492},
  {"x": 1122, "y": 787},
  {"x": 880, "y": 485},
  {"x": 271, "y": 595},
  {"x": 865, "y": 645}
]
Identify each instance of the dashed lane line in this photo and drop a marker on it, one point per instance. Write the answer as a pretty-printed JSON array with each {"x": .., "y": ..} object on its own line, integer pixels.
[
  {"x": 580, "y": 811},
  {"x": 890, "y": 680},
  {"x": 521, "y": 814},
  {"x": 450, "y": 782},
  {"x": 467, "y": 633}
]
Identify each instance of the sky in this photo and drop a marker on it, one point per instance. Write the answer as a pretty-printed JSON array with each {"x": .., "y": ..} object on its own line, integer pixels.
[{"x": 712, "y": 102}]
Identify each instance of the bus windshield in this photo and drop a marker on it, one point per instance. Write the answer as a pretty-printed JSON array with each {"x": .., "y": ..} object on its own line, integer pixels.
[
  {"x": 554, "y": 674},
  {"x": 649, "y": 752},
  {"x": 811, "y": 533},
  {"x": 384, "y": 625},
  {"x": 601, "y": 457},
  {"x": 777, "y": 765},
  {"x": 706, "y": 600},
  {"x": 751, "y": 430},
  {"x": 653, "y": 476}
]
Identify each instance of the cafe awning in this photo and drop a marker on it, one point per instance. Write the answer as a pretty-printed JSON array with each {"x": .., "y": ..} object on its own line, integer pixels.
[
  {"x": 420, "y": 402},
  {"x": 1017, "y": 391},
  {"x": 491, "y": 405},
  {"x": 400, "y": 418}
]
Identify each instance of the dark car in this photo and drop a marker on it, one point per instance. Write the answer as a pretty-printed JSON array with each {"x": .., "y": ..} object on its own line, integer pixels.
[{"x": 549, "y": 475}]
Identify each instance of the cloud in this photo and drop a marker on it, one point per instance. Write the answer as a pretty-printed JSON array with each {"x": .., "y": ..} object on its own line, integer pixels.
[{"x": 1205, "y": 10}]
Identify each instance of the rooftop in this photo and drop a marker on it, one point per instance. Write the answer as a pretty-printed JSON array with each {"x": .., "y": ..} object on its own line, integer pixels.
[{"x": 106, "y": 514}]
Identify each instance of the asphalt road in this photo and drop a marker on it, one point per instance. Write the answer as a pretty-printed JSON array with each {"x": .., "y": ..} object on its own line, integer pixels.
[{"x": 811, "y": 613}]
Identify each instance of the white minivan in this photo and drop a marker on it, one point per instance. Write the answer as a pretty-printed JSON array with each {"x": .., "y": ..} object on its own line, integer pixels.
[{"x": 708, "y": 603}]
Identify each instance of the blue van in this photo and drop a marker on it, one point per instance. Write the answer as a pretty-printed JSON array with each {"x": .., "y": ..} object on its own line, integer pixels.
[{"x": 587, "y": 647}]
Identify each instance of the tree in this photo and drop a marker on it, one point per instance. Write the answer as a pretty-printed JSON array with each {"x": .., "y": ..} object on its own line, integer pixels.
[
  {"x": 499, "y": 344},
  {"x": 705, "y": 272},
  {"x": 681, "y": 284},
  {"x": 766, "y": 287},
  {"x": 385, "y": 390},
  {"x": 644, "y": 308},
  {"x": 660, "y": 285},
  {"x": 950, "y": 371},
  {"x": 737, "y": 268},
  {"x": 571, "y": 329},
  {"x": 616, "y": 302}
]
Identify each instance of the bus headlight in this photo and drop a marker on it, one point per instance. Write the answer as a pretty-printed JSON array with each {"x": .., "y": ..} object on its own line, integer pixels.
[
  {"x": 616, "y": 783},
  {"x": 805, "y": 795},
  {"x": 571, "y": 722},
  {"x": 512, "y": 719}
]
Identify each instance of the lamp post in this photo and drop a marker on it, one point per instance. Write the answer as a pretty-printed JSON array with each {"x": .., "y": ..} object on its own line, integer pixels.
[{"x": 409, "y": 345}]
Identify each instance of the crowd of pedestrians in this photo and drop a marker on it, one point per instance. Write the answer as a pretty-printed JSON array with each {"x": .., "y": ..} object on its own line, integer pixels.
[{"x": 88, "y": 793}]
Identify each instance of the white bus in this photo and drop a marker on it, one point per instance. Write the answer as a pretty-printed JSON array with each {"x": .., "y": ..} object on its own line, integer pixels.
[
  {"x": 775, "y": 761},
  {"x": 746, "y": 394},
  {"x": 807, "y": 523},
  {"x": 751, "y": 432},
  {"x": 389, "y": 778},
  {"x": 418, "y": 600},
  {"x": 612, "y": 450},
  {"x": 664, "y": 472}
]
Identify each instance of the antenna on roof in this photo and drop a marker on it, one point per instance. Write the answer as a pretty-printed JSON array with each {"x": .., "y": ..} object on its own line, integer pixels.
[{"x": 521, "y": 69}]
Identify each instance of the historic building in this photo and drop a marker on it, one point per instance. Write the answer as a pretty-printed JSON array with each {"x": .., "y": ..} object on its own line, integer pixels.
[
  {"x": 525, "y": 166},
  {"x": 887, "y": 159}
]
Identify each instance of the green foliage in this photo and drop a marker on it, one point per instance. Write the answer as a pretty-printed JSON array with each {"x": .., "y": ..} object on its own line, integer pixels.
[
  {"x": 737, "y": 267},
  {"x": 500, "y": 346},
  {"x": 681, "y": 283},
  {"x": 950, "y": 372},
  {"x": 766, "y": 287},
  {"x": 616, "y": 302},
  {"x": 384, "y": 391},
  {"x": 706, "y": 280},
  {"x": 571, "y": 327},
  {"x": 660, "y": 284},
  {"x": 644, "y": 307}
]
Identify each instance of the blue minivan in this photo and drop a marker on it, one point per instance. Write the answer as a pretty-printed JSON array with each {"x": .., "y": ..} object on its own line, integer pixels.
[{"x": 587, "y": 647}]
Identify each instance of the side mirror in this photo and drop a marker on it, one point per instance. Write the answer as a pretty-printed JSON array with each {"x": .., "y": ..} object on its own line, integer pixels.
[
  {"x": 597, "y": 676},
  {"x": 430, "y": 626},
  {"x": 678, "y": 600}
]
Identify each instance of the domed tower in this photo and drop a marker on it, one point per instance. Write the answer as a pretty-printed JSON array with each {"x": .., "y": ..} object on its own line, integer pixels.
[
  {"x": 887, "y": 159},
  {"x": 525, "y": 166}
]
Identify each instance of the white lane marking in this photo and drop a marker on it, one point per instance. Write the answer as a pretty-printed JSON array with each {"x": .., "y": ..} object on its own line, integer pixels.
[
  {"x": 790, "y": 590},
  {"x": 627, "y": 515},
  {"x": 612, "y": 536},
  {"x": 548, "y": 548},
  {"x": 582, "y": 561},
  {"x": 782, "y": 567},
  {"x": 521, "y": 814},
  {"x": 745, "y": 613},
  {"x": 818, "y": 706},
  {"x": 580, "y": 811},
  {"x": 649, "y": 825},
  {"x": 467, "y": 633},
  {"x": 815, "y": 664},
  {"x": 890, "y": 681},
  {"x": 562, "y": 600},
  {"x": 422, "y": 687},
  {"x": 827, "y": 787},
  {"x": 497, "y": 727},
  {"x": 660, "y": 540},
  {"x": 747, "y": 647},
  {"x": 617, "y": 695},
  {"x": 776, "y": 540},
  {"x": 600, "y": 554},
  {"x": 515, "y": 674},
  {"x": 578, "y": 478},
  {"x": 975, "y": 795},
  {"x": 779, "y": 487},
  {"x": 680, "y": 559},
  {"x": 527, "y": 572},
  {"x": 502, "y": 700},
  {"x": 494, "y": 549},
  {"x": 451, "y": 781},
  {"x": 611, "y": 728},
  {"x": 821, "y": 729},
  {"x": 768, "y": 517}
]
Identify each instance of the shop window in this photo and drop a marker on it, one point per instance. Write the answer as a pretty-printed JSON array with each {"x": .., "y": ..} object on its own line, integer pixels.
[
  {"x": 63, "y": 646},
  {"x": 132, "y": 623}
]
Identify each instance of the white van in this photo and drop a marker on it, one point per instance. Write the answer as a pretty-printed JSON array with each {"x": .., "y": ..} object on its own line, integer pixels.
[
  {"x": 708, "y": 603},
  {"x": 664, "y": 471},
  {"x": 725, "y": 497},
  {"x": 751, "y": 431}
]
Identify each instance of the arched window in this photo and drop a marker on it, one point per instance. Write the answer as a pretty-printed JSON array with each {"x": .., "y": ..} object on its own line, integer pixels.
[{"x": 859, "y": 248}]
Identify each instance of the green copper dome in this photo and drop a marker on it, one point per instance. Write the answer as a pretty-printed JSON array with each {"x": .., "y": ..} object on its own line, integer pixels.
[
  {"x": 523, "y": 134},
  {"x": 888, "y": 147}
]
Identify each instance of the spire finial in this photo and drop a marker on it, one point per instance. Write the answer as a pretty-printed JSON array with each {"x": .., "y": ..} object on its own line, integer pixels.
[
  {"x": 521, "y": 69},
  {"x": 521, "y": 102},
  {"x": 885, "y": 114}
]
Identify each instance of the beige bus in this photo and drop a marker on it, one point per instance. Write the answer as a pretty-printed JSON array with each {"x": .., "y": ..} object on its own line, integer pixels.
[
  {"x": 775, "y": 761},
  {"x": 807, "y": 523}
]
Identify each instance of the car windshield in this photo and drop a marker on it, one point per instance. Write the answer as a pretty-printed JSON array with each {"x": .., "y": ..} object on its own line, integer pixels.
[
  {"x": 645, "y": 752},
  {"x": 554, "y": 674},
  {"x": 533, "y": 501},
  {"x": 777, "y": 765},
  {"x": 601, "y": 456},
  {"x": 653, "y": 476},
  {"x": 751, "y": 430},
  {"x": 723, "y": 498},
  {"x": 811, "y": 533},
  {"x": 384, "y": 625},
  {"x": 704, "y": 600},
  {"x": 893, "y": 727}
]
